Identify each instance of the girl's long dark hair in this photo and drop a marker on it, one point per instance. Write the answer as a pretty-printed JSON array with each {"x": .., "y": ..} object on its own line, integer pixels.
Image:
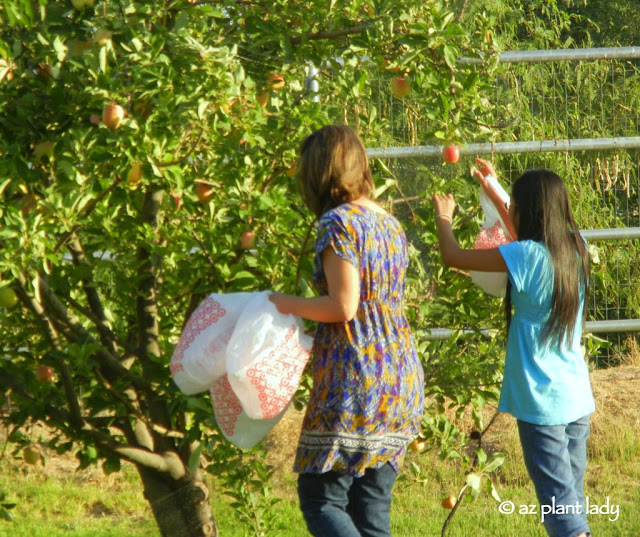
[{"x": 544, "y": 214}]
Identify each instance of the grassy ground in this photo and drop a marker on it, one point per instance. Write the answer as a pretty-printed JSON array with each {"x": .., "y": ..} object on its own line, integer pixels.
[{"x": 55, "y": 500}]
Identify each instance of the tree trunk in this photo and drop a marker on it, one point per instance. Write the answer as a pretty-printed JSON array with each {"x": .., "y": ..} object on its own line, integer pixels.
[{"x": 181, "y": 507}]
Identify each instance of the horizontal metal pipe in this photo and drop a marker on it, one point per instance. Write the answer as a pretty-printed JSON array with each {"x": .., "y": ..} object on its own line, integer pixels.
[
  {"x": 578, "y": 54},
  {"x": 541, "y": 146},
  {"x": 616, "y": 325},
  {"x": 613, "y": 234}
]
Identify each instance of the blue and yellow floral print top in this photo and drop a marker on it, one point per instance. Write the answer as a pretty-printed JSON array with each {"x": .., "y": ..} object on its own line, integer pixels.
[{"x": 367, "y": 396}]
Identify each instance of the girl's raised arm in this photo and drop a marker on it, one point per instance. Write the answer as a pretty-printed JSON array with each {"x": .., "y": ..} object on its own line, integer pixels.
[{"x": 489, "y": 260}]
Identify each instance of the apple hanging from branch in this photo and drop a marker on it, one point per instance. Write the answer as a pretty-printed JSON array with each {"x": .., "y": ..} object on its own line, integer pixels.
[
  {"x": 451, "y": 153},
  {"x": 8, "y": 297},
  {"x": 400, "y": 87},
  {"x": 248, "y": 240},
  {"x": 112, "y": 115},
  {"x": 275, "y": 81},
  {"x": 204, "y": 191},
  {"x": 44, "y": 373}
]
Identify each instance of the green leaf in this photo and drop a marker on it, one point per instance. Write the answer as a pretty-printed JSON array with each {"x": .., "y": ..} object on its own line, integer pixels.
[{"x": 474, "y": 481}]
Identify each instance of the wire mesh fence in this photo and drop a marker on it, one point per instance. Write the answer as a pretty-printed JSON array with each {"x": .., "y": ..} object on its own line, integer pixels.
[{"x": 558, "y": 103}]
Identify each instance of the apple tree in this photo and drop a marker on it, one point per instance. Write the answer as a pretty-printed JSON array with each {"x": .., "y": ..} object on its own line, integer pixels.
[{"x": 147, "y": 154}]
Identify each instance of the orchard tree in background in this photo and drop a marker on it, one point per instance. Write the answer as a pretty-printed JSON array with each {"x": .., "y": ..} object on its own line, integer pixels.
[{"x": 139, "y": 141}]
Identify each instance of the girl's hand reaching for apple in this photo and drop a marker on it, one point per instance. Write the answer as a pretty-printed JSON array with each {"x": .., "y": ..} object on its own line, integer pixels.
[{"x": 444, "y": 205}]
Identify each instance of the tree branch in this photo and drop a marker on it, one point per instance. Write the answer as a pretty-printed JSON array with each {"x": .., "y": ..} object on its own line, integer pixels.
[{"x": 335, "y": 34}]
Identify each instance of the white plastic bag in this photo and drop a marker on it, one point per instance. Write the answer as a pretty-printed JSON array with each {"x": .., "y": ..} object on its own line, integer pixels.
[
  {"x": 494, "y": 233},
  {"x": 265, "y": 358},
  {"x": 248, "y": 355},
  {"x": 198, "y": 359},
  {"x": 234, "y": 423}
]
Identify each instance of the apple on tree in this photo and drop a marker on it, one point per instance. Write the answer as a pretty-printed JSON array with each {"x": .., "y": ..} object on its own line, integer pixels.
[
  {"x": 112, "y": 115},
  {"x": 400, "y": 87},
  {"x": 204, "y": 191},
  {"x": 451, "y": 153},
  {"x": 135, "y": 175},
  {"x": 45, "y": 373},
  {"x": 248, "y": 240},
  {"x": 8, "y": 297},
  {"x": 275, "y": 81}
]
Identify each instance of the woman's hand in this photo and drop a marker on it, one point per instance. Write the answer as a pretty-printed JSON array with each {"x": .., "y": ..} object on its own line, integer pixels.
[
  {"x": 280, "y": 301},
  {"x": 445, "y": 205}
]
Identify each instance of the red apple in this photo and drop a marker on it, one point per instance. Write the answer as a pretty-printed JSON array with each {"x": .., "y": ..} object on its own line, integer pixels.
[
  {"x": 95, "y": 119},
  {"x": 275, "y": 81},
  {"x": 449, "y": 502},
  {"x": 204, "y": 192},
  {"x": 248, "y": 240},
  {"x": 44, "y": 373},
  {"x": 451, "y": 153},
  {"x": 31, "y": 455},
  {"x": 400, "y": 87},
  {"x": 112, "y": 115}
]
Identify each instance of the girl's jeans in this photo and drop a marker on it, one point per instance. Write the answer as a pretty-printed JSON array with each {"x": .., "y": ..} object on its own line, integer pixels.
[
  {"x": 339, "y": 505},
  {"x": 556, "y": 459}
]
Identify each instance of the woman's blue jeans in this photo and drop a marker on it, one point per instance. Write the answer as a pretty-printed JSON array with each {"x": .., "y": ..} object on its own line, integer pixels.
[
  {"x": 556, "y": 459},
  {"x": 339, "y": 505}
]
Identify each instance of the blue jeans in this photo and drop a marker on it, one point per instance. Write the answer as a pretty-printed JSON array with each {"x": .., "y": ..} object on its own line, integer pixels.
[
  {"x": 556, "y": 459},
  {"x": 339, "y": 505}
]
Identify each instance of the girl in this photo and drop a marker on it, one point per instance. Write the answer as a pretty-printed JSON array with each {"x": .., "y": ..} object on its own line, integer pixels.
[
  {"x": 546, "y": 380},
  {"x": 366, "y": 402}
]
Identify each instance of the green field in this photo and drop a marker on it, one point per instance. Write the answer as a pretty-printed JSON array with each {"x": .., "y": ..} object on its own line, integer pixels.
[{"x": 56, "y": 500}]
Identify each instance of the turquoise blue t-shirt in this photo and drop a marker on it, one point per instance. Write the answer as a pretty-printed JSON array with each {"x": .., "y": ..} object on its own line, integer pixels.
[{"x": 543, "y": 384}]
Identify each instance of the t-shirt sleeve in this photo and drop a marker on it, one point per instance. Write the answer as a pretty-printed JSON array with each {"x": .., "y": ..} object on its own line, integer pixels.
[
  {"x": 514, "y": 256},
  {"x": 335, "y": 233}
]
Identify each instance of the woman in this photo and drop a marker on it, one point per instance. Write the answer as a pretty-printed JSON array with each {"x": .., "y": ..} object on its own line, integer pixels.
[{"x": 366, "y": 402}]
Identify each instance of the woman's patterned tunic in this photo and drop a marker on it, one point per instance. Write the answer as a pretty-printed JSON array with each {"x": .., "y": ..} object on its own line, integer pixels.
[{"x": 367, "y": 396}]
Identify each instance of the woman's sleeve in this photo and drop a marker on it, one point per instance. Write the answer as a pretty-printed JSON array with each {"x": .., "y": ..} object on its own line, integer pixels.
[{"x": 340, "y": 236}]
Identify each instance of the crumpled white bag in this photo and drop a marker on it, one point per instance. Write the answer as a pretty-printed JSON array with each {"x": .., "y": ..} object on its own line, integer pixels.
[
  {"x": 233, "y": 422},
  {"x": 494, "y": 233},
  {"x": 198, "y": 359},
  {"x": 265, "y": 358},
  {"x": 250, "y": 358}
]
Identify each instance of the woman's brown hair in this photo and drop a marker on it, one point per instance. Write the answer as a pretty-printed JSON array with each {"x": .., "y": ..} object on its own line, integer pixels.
[{"x": 333, "y": 169}]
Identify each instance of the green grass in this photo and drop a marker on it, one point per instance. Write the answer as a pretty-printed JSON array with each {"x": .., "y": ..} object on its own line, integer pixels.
[
  {"x": 51, "y": 506},
  {"x": 55, "y": 500}
]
